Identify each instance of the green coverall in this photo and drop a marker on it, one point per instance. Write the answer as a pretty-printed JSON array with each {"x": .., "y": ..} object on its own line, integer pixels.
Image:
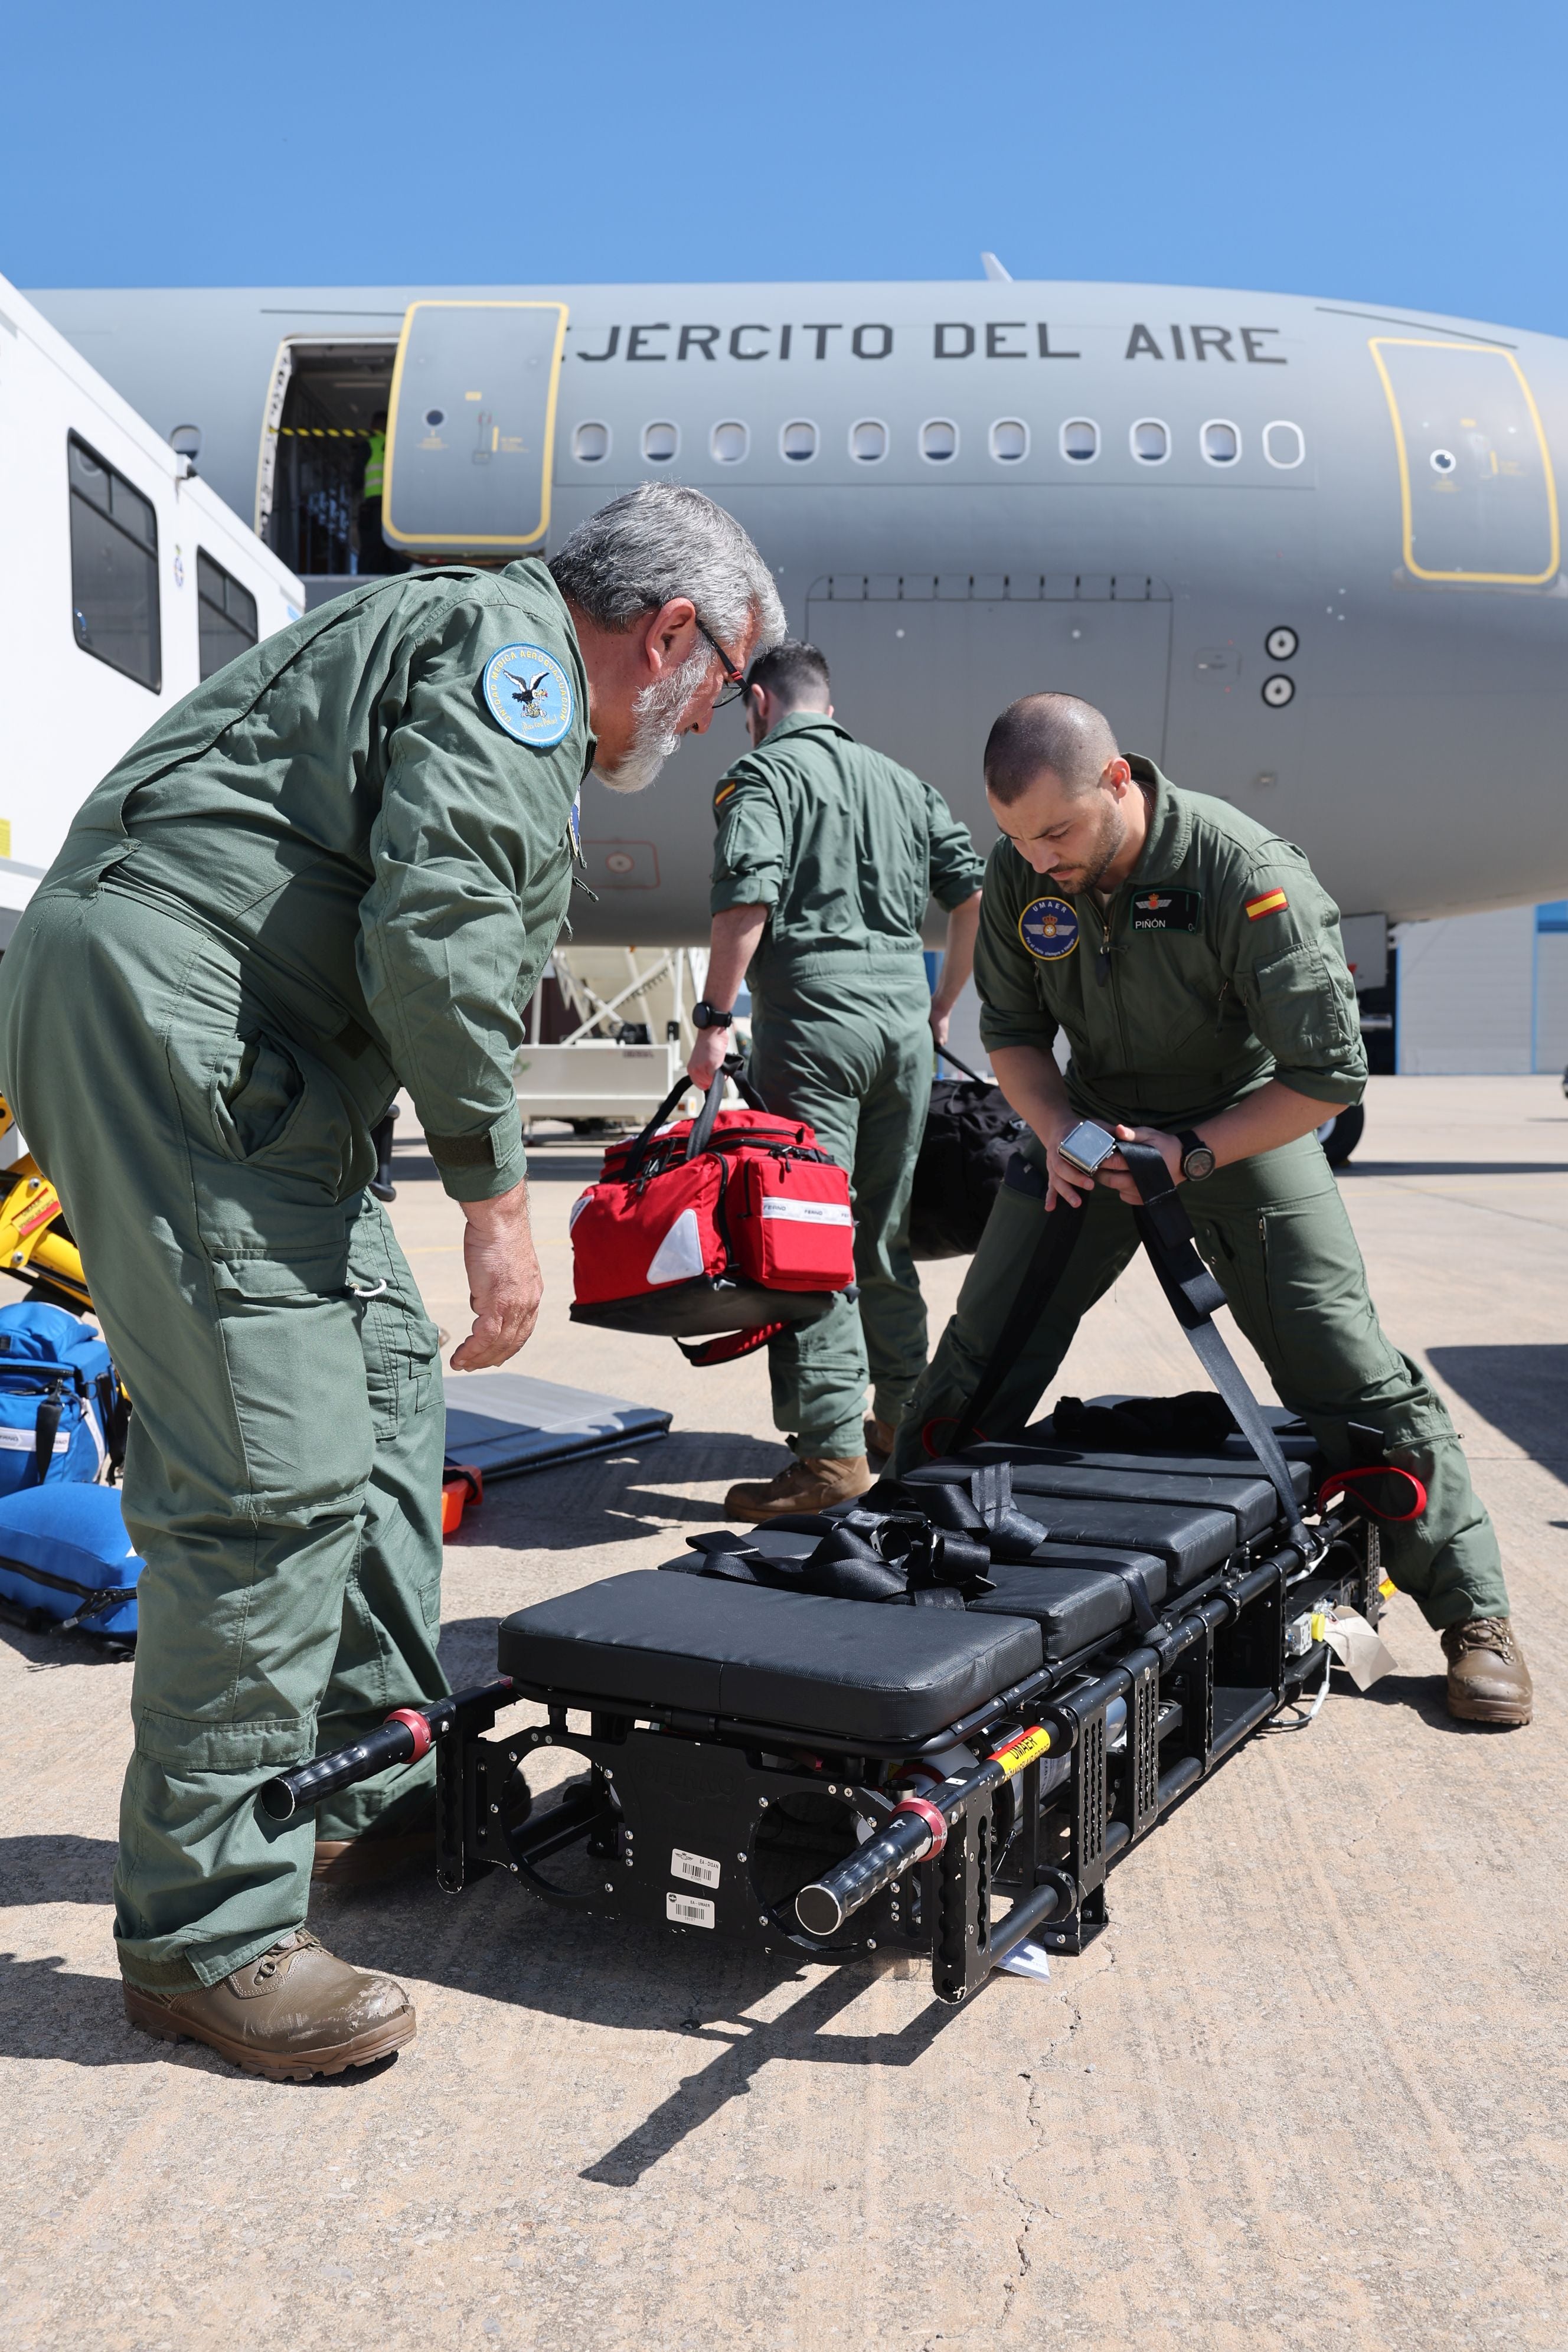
[
  {"x": 844, "y": 848},
  {"x": 1217, "y": 966},
  {"x": 329, "y": 872}
]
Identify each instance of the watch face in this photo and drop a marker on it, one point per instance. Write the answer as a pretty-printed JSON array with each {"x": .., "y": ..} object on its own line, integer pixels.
[{"x": 1198, "y": 1162}]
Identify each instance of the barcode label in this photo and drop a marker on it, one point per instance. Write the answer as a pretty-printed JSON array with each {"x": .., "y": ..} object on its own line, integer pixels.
[
  {"x": 694, "y": 1866},
  {"x": 689, "y": 1910},
  {"x": 807, "y": 1212}
]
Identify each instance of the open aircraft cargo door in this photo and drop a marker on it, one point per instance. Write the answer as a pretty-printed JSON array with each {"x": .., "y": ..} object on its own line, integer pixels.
[
  {"x": 1478, "y": 498},
  {"x": 923, "y": 664},
  {"x": 471, "y": 426}
]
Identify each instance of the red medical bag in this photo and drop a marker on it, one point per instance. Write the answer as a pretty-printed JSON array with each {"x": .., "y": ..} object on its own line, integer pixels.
[{"x": 734, "y": 1221}]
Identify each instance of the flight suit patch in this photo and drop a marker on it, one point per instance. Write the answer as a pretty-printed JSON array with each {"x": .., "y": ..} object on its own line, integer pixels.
[
  {"x": 1166, "y": 910},
  {"x": 1048, "y": 929},
  {"x": 529, "y": 695},
  {"x": 723, "y": 792},
  {"x": 1272, "y": 902}
]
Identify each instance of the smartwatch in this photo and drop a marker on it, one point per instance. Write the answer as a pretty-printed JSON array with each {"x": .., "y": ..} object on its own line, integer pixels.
[
  {"x": 708, "y": 1016},
  {"x": 1198, "y": 1159}
]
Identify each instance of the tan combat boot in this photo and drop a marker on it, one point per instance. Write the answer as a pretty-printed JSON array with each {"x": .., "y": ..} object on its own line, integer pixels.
[
  {"x": 880, "y": 1438},
  {"x": 294, "y": 2012},
  {"x": 1489, "y": 1681},
  {"x": 808, "y": 1485}
]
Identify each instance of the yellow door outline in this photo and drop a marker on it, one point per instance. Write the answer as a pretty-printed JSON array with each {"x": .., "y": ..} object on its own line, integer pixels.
[
  {"x": 470, "y": 538},
  {"x": 1377, "y": 344}
]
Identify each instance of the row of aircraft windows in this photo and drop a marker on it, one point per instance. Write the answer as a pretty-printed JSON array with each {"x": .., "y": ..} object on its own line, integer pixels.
[{"x": 1150, "y": 440}]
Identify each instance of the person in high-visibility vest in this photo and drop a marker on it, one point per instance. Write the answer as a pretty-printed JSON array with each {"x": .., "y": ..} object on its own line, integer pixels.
[{"x": 374, "y": 555}]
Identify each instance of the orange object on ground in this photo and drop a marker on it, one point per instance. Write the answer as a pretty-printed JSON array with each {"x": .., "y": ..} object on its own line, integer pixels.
[{"x": 461, "y": 1486}]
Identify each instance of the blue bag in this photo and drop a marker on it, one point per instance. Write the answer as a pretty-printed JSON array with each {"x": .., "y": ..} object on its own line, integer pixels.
[
  {"x": 57, "y": 1398},
  {"x": 65, "y": 1558}
]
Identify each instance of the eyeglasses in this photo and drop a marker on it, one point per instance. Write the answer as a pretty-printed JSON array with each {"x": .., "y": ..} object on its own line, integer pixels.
[{"x": 735, "y": 676}]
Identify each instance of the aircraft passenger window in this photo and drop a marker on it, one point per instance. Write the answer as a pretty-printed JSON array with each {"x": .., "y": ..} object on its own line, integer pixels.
[
  {"x": 591, "y": 443},
  {"x": 660, "y": 443},
  {"x": 114, "y": 569},
  {"x": 939, "y": 440},
  {"x": 226, "y": 615},
  {"x": 730, "y": 443},
  {"x": 798, "y": 441},
  {"x": 1284, "y": 445},
  {"x": 1080, "y": 441},
  {"x": 1220, "y": 442},
  {"x": 1150, "y": 441},
  {"x": 1009, "y": 441},
  {"x": 869, "y": 441}
]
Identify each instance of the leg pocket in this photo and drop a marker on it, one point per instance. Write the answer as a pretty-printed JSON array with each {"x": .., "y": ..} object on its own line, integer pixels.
[{"x": 297, "y": 1377}]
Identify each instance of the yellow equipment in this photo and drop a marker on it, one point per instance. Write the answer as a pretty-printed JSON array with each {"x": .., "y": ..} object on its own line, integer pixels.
[{"x": 36, "y": 1247}]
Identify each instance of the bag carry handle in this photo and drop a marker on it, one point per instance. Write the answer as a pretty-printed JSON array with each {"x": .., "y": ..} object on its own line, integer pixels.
[
  {"x": 949, "y": 1056},
  {"x": 733, "y": 1066}
]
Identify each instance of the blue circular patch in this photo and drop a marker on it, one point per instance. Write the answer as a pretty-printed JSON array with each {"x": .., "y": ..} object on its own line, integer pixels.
[
  {"x": 529, "y": 694},
  {"x": 1048, "y": 929}
]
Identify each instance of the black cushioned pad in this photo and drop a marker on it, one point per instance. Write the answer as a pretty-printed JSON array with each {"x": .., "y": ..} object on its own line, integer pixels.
[
  {"x": 1069, "y": 1593},
  {"x": 1296, "y": 1443},
  {"x": 1131, "y": 1477},
  {"x": 847, "y": 1669}
]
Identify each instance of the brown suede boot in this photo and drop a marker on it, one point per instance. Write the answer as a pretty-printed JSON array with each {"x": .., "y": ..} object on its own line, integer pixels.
[
  {"x": 294, "y": 2012},
  {"x": 880, "y": 1438},
  {"x": 808, "y": 1485},
  {"x": 1489, "y": 1681}
]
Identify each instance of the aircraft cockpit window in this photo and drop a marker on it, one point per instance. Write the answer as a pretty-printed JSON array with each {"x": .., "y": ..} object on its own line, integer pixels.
[
  {"x": 1284, "y": 445},
  {"x": 226, "y": 615},
  {"x": 869, "y": 441},
  {"x": 1009, "y": 440},
  {"x": 114, "y": 569},
  {"x": 591, "y": 443},
  {"x": 1080, "y": 441},
  {"x": 1220, "y": 442},
  {"x": 660, "y": 443},
  {"x": 1150, "y": 441},
  {"x": 798, "y": 441},
  {"x": 729, "y": 443},
  {"x": 939, "y": 440}
]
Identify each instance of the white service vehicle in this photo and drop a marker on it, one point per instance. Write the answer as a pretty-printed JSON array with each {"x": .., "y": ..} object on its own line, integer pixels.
[{"x": 124, "y": 581}]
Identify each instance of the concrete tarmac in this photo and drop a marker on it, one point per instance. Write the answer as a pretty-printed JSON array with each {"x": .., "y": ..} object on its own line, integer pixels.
[{"x": 1310, "y": 2089}]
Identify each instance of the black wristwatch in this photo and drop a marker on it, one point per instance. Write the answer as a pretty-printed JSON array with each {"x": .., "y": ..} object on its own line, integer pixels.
[
  {"x": 1198, "y": 1159},
  {"x": 708, "y": 1016}
]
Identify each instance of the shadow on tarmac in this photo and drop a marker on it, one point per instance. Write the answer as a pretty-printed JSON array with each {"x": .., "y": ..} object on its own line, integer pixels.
[
  {"x": 602, "y": 1498},
  {"x": 1455, "y": 1168},
  {"x": 1522, "y": 1390}
]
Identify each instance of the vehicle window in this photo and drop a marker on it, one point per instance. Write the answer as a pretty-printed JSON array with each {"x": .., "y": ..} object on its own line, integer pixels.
[
  {"x": 114, "y": 568},
  {"x": 225, "y": 614}
]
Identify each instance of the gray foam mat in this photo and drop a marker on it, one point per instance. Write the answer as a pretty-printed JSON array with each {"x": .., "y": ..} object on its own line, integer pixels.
[{"x": 506, "y": 1423}]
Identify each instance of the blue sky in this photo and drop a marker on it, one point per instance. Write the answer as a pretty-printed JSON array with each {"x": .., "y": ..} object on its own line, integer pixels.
[{"x": 1384, "y": 152}]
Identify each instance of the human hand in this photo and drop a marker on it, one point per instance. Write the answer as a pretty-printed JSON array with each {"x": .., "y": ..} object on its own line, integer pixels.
[
  {"x": 1116, "y": 1175},
  {"x": 708, "y": 1056},
  {"x": 941, "y": 1015},
  {"x": 505, "y": 1286},
  {"x": 1068, "y": 1185}
]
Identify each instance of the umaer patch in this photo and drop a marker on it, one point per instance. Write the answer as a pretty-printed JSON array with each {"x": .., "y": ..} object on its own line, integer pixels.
[
  {"x": 1272, "y": 902},
  {"x": 1048, "y": 929},
  {"x": 1166, "y": 910},
  {"x": 529, "y": 694}
]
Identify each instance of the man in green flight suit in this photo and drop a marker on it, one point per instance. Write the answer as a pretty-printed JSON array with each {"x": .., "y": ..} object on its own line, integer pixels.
[
  {"x": 1193, "y": 962},
  {"x": 827, "y": 854},
  {"x": 335, "y": 869}
]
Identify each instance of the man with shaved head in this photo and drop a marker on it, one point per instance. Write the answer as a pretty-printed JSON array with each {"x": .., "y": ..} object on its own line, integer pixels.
[{"x": 1192, "y": 962}]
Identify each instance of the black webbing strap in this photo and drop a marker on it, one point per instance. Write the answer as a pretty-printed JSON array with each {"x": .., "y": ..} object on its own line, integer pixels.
[
  {"x": 1166, "y": 1233},
  {"x": 1058, "y": 1232}
]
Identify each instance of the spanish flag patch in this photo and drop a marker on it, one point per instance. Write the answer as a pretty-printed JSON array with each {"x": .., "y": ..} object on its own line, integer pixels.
[
  {"x": 723, "y": 792},
  {"x": 1273, "y": 902}
]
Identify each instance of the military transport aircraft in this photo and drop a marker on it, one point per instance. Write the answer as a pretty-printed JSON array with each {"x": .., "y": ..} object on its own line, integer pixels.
[{"x": 1306, "y": 554}]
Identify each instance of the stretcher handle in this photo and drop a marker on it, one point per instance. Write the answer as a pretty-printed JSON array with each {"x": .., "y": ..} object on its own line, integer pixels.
[
  {"x": 918, "y": 1827},
  {"x": 405, "y": 1736}
]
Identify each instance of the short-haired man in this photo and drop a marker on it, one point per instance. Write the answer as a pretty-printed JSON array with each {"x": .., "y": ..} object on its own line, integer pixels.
[
  {"x": 335, "y": 869},
  {"x": 1193, "y": 962},
  {"x": 827, "y": 855}
]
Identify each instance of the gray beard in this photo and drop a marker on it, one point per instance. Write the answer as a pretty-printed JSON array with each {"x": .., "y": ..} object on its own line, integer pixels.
[{"x": 655, "y": 721}]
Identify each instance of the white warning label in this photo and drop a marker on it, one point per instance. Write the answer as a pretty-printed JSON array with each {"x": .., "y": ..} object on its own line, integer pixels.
[
  {"x": 694, "y": 1866},
  {"x": 689, "y": 1910}
]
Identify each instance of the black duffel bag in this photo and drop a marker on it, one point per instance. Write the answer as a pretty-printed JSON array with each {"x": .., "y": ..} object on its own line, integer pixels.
[{"x": 970, "y": 1136}]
